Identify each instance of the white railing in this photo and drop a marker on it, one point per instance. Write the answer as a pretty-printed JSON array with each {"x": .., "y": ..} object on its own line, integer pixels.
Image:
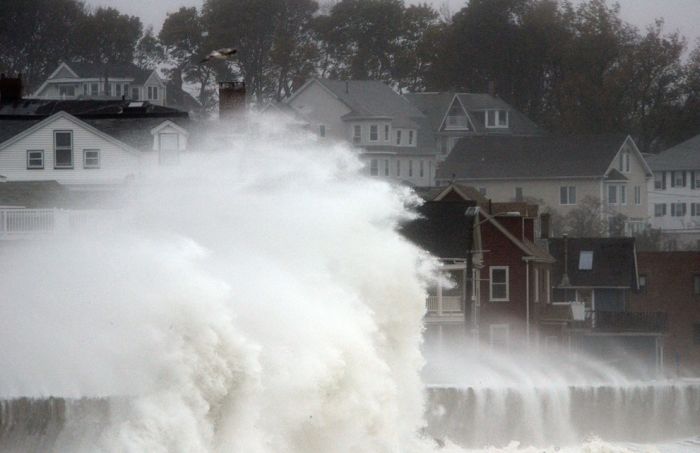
[
  {"x": 444, "y": 305},
  {"x": 16, "y": 223},
  {"x": 456, "y": 122}
]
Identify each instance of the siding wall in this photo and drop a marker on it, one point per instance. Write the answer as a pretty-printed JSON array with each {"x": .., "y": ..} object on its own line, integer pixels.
[
  {"x": 115, "y": 163},
  {"x": 320, "y": 107}
]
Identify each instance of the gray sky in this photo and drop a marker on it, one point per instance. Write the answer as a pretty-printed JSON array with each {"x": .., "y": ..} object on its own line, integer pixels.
[{"x": 681, "y": 15}]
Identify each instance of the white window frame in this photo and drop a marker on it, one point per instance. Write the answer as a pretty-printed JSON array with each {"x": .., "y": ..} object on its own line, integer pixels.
[
  {"x": 135, "y": 93},
  {"x": 386, "y": 167},
  {"x": 56, "y": 148},
  {"x": 659, "y": 209},
  {"x": 410, "y": 168},
  {"x": 659, "y": 178},
  {"x": 374, "y": 167},
  {"x": 374, "y": 133},
  {"x": 675, "y": 211},
  {"x": 398, "y": 137},
  {"x": 495, "y": 122},
  {"x": 85, "y": 158},
  {"x": 30, "y": 158},
  {"x": 622, "y": 191},
  {"x": 638, "y": 195},
  {"x": 507, "y": 283},
  {"x": 569, "y": 193},
  {"x": 398, "y": 167},
  {"x": 411, "y": 133},
  {"x": 612, "y": 190},
  {"x": 673, "y": 178},
  {"x": 421, "y": 168},
  {"x": 694, "y": 209},
  {"x": 357, "y": 133},
  {"x": 386, "y": 132}
]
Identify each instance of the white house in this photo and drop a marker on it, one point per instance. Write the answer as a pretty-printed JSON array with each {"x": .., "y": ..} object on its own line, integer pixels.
[
  {"x": 94, "y": 81},
  {"x": 674, "y": 195},
  {"x": 557, "y": 172},
  {"x": 392, "y": 136}
]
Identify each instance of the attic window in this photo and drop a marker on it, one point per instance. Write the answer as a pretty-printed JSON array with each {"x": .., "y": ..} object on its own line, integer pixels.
[
  {"x": 496, "y": 118},
  {"x": 585, "y": 261}
]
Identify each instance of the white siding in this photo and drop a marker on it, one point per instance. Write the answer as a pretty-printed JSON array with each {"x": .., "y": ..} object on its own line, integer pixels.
[
  {"x": 115, "y": 163},
  {"x": 320, "y": 107}
]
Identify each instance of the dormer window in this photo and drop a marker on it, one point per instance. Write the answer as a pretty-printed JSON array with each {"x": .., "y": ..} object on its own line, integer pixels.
[
  {"x": 456, "y": 119},
  {"x": 66, "y": 91},
  {"x": 496, "y": 119}
]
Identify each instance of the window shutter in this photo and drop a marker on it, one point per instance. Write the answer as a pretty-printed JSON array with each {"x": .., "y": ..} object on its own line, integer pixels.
[
  {"x": 692, "y": 180},
  {"x": 663, "y": 180},
  {"x": 684, "y": 176}
]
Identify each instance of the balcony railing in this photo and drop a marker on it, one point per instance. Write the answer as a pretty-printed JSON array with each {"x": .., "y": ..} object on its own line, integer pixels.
[
  {"x": 448, "y": 306},
  {"x": 22, "y": 223}
]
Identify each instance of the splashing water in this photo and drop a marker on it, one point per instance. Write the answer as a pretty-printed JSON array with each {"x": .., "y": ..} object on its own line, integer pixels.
[{"x": 255, "y": 300}]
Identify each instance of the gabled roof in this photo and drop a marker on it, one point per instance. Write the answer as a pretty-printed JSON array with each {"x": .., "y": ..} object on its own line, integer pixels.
[
  {"x": 685, "y": 156},
  {"x": 118, "y": 70},
  {"x": 368, "y": 99},
  {"x": 614, "y": 262},
  {"x": 466, "y": 193},
  {"x": 435, "y": 105},
  {"x": 443, "y": 229},
  {"x": 88, "y": 108},
  {"x": 530, "y": 249},
  {"x": 531, "y": 157}
]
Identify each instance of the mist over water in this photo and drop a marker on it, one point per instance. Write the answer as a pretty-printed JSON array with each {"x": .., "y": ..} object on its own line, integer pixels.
[{"x": 256, "y": 299}]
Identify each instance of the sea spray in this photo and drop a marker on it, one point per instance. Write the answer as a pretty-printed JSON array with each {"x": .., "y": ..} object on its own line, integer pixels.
[{"x": 257, "y": 299}]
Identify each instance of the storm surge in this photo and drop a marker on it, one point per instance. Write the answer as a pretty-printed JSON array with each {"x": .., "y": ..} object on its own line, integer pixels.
[{"x": 257, "y": 299}]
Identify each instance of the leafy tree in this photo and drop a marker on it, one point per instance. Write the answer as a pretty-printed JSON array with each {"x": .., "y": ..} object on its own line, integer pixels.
[
  {"x": 588, "y": 219},
  {"x": 106, "y": 36},
  {"x": 149, "y": 52},
  {"x": 418, "y": 43}
]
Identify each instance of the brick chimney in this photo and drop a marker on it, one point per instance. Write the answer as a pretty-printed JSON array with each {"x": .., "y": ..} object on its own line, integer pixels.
[
  {"x": 232, "y": 99},
  {"x": 10, "y": 89}
]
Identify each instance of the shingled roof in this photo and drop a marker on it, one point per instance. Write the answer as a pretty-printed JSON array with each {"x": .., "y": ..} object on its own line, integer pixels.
[
  {"x": 685, "y": 156},
  {"x": 502, "y": 157},
  {"x": 614, "y": 262},
  {"x": 116, "y": 70},
  {"x": 435, "y": 105}
]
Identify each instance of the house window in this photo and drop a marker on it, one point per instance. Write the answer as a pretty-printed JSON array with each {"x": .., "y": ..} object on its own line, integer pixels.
[
  {"x": 695, "y": 209},
  {"x": 398, "y": 167},
  {"x": 108, "y": 88},
  {"x": 398, "y": 137},
  {"x": 169, "y": 148},
  {"x": 35, "y": 159},
  {"x": 421, "y": 168},
  {"x": 373, "y": 133},
  {"x": 386, "y": 167},
  {"x": 637, "y": 195},
  {"x": 696, "y": 284},
  {"x": 386, "y": 132},
  {"x": 625, "y": 162},
  {"x": 496, "y": 118},
  {"x": 660, "y": 181},
  {"x": 612, "y": 194},
  {"x": 66, "y": 90},
  {"x": 322, "y": 130},
  {"x": 498, "y": 291},
  {"x": 94, "y": 89},
  {"x": 91, "y": 158},
  {"x": 499, "y": 335},
  {"x": 678, "y": 209},
  {"x": 643, "y": 284},
  {"x": 374, "y": 167},
  {"x": 155, "y": 93},
  {"x": 410, "y": 168},
  {"x": 410, "y": 137},
  {"x": 63, "y": 149},
  {"x": 518, "y": 194},
  {"x": 567, "y": 195},
  {"x": 357, "y": 134},
  {"x": 623, "y": 194},
  {"x": 585, "y": 260},
  {"x": 126, "y": 89},
  {"x": 696, "y": 180},
  {"x": 118, "y": 89},
  {"x": 677, "y": 179},
  {"x": 135, "y": 94},
  {"x": 659, "y": 209}
]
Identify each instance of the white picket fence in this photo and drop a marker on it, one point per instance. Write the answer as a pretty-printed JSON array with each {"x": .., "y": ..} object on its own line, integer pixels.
[{"x": 17, "y": 223}]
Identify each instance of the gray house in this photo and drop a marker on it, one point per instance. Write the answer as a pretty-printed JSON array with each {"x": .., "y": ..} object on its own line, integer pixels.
[
  {"x": 456, "y": 115},
  {"x": 393, "y": 137}
]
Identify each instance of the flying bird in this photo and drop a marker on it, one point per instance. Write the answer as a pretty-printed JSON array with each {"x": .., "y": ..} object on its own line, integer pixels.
[{"x": 220, "y": 54}]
